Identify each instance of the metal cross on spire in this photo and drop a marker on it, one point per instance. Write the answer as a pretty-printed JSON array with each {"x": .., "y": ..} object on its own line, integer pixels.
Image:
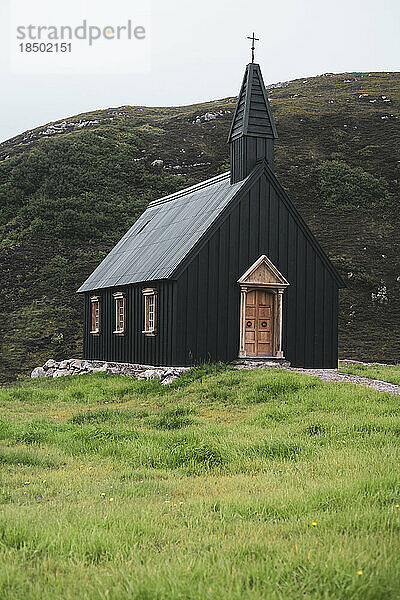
[{"x": 253, "y": 45}]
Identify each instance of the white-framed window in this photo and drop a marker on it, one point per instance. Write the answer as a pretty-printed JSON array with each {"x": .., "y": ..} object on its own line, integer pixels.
[
  {"x": 150, "y": 311},
  {"x": 120, "y": 312},
  {"x": 95, "y": 314}
]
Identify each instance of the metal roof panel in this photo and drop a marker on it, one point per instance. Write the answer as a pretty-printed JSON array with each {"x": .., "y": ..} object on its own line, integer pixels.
[{"x": 163, "y": 235}]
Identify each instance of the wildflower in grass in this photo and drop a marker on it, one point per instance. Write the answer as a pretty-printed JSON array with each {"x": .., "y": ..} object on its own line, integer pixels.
[
  {"x": 102, "y": 494},
  {"x": 359, "y": 572},
  {"x": 111, "y": 500},
  {"x": 167, "y": 501},
  {"x": 314, "y": 523},
  {"x": 44, "y": 481},
  {"x": 397, "y": 505},
  {"x": 26, "y": 482},
  {"x": 181, "y": 503}
]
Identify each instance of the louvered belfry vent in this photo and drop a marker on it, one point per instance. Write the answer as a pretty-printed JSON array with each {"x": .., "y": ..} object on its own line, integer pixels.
[{"x": 253, "y": 130}]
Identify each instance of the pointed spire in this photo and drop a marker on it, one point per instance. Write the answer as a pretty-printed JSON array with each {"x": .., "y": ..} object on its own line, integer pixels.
[
  {"x": 252, "y": 134},
  {"x": 253, "y": 114}
]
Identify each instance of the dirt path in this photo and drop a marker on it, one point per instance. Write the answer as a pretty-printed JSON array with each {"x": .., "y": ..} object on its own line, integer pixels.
[{"x": 333, "y": 375}]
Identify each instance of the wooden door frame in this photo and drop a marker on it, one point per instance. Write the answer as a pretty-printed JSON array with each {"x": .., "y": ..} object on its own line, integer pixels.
[
  {"x": 276, "y": 285},
  {"x": 277, "y": 292}
]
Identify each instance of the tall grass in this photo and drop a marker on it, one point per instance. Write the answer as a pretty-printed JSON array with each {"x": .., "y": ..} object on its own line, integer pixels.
[
  {"x": 228, "y": 484},
  {"x": 390, "y": 373}
]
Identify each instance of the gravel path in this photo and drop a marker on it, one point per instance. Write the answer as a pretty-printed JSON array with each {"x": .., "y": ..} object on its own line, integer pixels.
[{"x": 334, "y": 375}]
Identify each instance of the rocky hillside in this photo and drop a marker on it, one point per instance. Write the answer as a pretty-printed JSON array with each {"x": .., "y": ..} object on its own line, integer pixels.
[{"x": 70, "y": 189}]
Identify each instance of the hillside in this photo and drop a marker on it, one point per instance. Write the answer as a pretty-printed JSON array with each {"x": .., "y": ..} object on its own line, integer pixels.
[
  {"x": 69, "y": 190},
  {"x": 224, "y": 484}
]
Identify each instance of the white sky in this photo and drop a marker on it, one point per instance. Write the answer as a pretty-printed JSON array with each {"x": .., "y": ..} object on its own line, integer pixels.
[{"x": 199, "y": 51}]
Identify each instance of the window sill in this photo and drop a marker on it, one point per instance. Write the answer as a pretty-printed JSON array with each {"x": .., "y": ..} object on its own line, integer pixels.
[
  {"x": 119, "y": 332},
  {"x": 149, "y": 333},
  {"x": 97, "y": 332}
]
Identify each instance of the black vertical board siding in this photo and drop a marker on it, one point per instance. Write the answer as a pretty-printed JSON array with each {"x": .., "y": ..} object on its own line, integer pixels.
[
  {"x": 301, "y": 298},
  {"x": 139, "y": 323},
  {"x": 213, "y": 281},
  {"x": 289, "y": 296},
  {"x": 309, "y": 306},
  {"x": 192, "y": 313},
  {"x": 283, "y": 240},
  {"x": 328, "y": 338},
  {"x": 263, "y": 218},
  {"x": 181, "y": 318},
  {"x": 223, "y": 291},
  {"x": 335, "y": 327},
  {"x": 85, "y": 323},
  {"x": 244, "y": 234},
  {"x": 260, "y": 147},
  {"x": 273, "y": 227},
  {"x": 233, "y": 289},
  {"x": 254, "y": 221},
  {"x": 319, "y": 313},
  {"x": 202, "y": 307},
  {"x": 174, "y": 326}
]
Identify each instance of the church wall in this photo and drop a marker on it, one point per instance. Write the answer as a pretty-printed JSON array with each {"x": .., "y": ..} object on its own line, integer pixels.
[{"x": 133, "y": 346}]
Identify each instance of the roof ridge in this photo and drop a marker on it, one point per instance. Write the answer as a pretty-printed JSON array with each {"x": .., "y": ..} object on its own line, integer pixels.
[{"x": 188, "y": 190}]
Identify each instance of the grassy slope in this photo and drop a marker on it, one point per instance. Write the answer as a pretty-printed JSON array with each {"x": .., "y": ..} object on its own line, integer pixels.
[
  {"x": 224, "y": 484},
  {"x": 383, "y": 373},
  {"x": 68, "y": 192}
]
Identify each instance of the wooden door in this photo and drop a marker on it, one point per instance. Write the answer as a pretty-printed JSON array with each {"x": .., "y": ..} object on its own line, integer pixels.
[{"x": 258, "y": 325}]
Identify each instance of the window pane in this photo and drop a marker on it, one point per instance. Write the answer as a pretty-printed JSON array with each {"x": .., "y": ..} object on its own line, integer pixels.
[
  {"x": 95, "y": 315},
  {"x": 149, "y": 313},
  {"x": 119, "y": 314}
]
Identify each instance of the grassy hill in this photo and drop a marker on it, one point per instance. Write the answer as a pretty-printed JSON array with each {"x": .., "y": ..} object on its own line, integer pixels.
[
  {"x": 223, "y": 484},
  {"x": 69, "y": 190}
]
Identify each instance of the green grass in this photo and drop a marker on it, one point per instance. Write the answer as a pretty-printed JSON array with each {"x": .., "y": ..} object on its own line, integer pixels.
[
  {"x": 224, "y": 484},
  {"x": 390, "y": 373}
]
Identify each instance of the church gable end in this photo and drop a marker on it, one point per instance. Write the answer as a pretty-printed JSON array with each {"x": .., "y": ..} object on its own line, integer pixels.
[{"x": 263, "y": 272}]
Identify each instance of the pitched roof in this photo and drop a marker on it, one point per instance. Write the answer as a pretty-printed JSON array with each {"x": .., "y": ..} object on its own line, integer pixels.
[
  {"x": 253, "y": 114},
  {"x": 163, "y": 236}
]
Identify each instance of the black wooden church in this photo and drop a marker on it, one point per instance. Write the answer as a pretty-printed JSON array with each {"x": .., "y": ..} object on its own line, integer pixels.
[{"x": 221, "y": 270}]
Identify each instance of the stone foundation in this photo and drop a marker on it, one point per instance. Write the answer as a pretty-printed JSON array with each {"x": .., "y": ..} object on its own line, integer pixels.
[
  {"x": 76, "y": 366},
  {"x": 260, "y": 363}
]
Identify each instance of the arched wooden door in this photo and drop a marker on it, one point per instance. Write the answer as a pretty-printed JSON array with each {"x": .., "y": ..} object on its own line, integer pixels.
[{"x": 259, "y": 323}]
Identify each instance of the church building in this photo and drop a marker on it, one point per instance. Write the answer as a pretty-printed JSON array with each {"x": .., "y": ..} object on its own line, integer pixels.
[{"x": 222, "y": 270}]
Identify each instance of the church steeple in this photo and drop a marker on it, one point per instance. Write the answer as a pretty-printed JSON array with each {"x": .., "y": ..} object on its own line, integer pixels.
[{"x": 253, "y": 130}]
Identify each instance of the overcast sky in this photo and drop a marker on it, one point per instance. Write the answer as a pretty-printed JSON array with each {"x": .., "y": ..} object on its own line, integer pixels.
[{"x": 198, "y": 51}]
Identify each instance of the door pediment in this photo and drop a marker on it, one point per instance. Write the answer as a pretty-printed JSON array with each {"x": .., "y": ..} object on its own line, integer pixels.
[{"x": 263, "y": 273}]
